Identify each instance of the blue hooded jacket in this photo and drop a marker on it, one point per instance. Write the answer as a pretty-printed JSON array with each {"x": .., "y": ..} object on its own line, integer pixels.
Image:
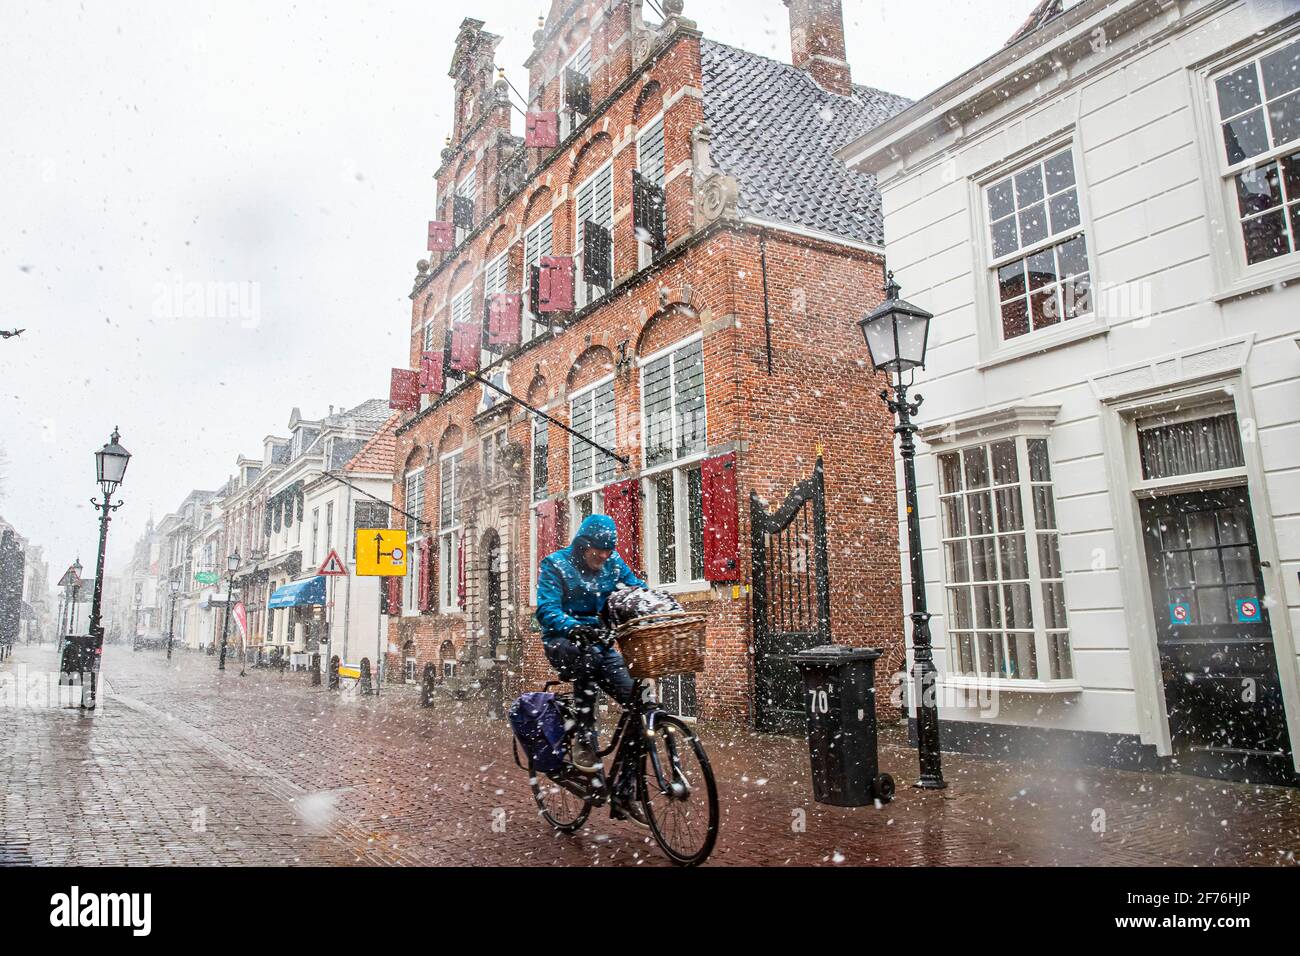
[{"x": 568, "y": 594}]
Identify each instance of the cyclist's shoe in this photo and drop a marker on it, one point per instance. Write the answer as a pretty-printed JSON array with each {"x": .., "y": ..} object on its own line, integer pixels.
[
  {"x": 627, "y": 808},
  {"x": 583, "y": 756}
]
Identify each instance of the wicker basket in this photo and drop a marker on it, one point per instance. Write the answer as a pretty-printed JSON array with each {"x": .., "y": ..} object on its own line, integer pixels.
[{"x": 659, "y": 644}]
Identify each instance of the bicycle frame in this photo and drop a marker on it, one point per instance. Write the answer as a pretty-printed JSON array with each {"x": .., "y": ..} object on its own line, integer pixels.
[{"x": 628, "y": 748}]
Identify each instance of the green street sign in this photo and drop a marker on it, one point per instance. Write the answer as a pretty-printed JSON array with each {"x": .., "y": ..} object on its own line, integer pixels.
[{"x": 206, "y": 577}]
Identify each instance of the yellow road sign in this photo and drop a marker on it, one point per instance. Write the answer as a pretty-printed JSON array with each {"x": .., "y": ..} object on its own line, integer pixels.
[{"x": 381, "y": 553}]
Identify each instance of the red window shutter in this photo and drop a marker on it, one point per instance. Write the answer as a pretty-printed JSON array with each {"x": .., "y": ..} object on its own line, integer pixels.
[
  {"x": 425, "y": 556},
  {"x": 442, "y": 236},
  {"x": 556, "y": 284},
  {"x": 504, "y": 321},
  {"x": 431, "y": 377},
  {"x": 460, "y": 574},
  {"x": 550, "y": 521},
  {"x": 466, "y": 346},
  {"x": 394, "y": 585},
  {"x": 721, "y": 543},
  {"x": 404, "y": 389},
  {"x": 542, "y": 129},
  {"x": 623, "y": 504}
]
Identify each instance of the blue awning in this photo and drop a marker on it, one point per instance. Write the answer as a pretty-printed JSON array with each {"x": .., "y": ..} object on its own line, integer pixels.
[{"x": 295, "y": 593}]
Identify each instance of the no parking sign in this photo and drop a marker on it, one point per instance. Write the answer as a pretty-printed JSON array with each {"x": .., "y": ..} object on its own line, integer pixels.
[
  {"x": 1249, "y": 611},
  {"x": 1180, "y": 613}
]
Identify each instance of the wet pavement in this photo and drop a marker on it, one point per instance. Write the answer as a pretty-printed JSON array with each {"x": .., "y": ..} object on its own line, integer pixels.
[{"x": 185, "y": 765}]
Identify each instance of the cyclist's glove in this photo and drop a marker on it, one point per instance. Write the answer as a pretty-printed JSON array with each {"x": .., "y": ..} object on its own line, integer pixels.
[{"x": 585, "y": 633}]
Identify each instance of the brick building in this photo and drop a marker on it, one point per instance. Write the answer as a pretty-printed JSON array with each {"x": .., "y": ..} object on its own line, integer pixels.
[{"x": 716, "y": 349}]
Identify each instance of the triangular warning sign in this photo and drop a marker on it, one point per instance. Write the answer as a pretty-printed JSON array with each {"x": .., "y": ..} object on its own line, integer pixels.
[
  {"x": 69, "y": 579},
  {"x": 333, "y": 565}
]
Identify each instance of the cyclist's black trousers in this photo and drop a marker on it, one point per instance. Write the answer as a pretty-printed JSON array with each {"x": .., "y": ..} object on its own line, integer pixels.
[{"x": 588, "y": 666}]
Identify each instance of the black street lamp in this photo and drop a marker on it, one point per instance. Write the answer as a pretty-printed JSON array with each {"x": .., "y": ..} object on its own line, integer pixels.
[
  {"x": 896, "y": 333},
  {"x": 110, "y": 469},
  {"x": 171, "y": 623},
  {"x": 232, "y": 565}
]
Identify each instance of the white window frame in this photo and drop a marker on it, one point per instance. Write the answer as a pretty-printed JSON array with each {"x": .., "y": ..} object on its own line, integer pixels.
[
  {"x": 462, "y": 305},
  {"x": 595, "y": 488},
  {"x": 1031, "y": 534},
  {"x": 491, "y": 446},
  {"x": 315, "y": 530},
  {"x": 467, "y": 188},
  {"x": 495, "y": 278},
  {"x": 584, "y": 294},
  {"x": 449, "y": 537},
  {"x": 537, "y": 424},
  {"x": 680, "y": 468},
  {"x": 646, "y": 253},
  {"x": 1234, "y": 276},
  {"x": 410, "y": 599},
  {"x": 994, "y": 348},
  {"x": 569, "y": 120},
  {"x": 533, "y": 326}
]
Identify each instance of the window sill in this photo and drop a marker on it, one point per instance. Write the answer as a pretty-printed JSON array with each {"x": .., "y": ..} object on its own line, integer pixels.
[
  {"x": 1031, "y": 345},
  {"x": 687, "y": 591},
  {"x": 1282, "y": 274},
  {"x": 1012, "y": 685}
]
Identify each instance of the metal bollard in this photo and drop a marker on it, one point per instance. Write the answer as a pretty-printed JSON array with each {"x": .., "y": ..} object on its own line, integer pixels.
[
  {"x": 365, "y": 682},
  {"x": 334, "y": 673},
  {"x": 428, "y": 683}
]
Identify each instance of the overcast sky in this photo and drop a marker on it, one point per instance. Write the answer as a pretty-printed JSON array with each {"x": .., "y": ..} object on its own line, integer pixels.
[{"x": 287, "y": 149}]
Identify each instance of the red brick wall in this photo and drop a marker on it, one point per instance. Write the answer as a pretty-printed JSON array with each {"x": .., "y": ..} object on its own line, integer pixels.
[{"x": 819, "y": 393}]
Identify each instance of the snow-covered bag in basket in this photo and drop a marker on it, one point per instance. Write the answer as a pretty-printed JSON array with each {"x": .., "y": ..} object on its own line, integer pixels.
[{"x": 655, "y": 636}]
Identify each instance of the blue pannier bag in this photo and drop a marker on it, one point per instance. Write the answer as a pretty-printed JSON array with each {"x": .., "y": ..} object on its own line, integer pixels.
[{"x": 539, "y": 726}]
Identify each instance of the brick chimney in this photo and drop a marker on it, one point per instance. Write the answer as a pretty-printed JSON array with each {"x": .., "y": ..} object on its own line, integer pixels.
[{"x": 817, "y": 43}]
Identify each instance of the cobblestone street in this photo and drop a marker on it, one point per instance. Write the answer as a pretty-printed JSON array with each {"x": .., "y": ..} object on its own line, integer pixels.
[{"x": 187, "y": 766}]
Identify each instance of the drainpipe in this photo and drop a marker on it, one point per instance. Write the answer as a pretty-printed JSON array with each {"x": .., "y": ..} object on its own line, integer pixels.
[{"x": 767, "y": 314}]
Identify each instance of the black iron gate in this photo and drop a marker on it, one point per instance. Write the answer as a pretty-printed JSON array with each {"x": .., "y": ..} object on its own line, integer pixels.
[{"x": 791, "y": 598}]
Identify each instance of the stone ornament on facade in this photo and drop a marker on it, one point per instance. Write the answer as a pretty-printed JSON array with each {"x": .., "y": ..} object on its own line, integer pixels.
[{"x": 716, "y": 194}]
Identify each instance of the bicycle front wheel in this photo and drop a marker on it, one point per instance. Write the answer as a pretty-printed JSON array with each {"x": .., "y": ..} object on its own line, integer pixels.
[
  {"x": 564, "y": 804},
  {"x": 679, "y": 793}
]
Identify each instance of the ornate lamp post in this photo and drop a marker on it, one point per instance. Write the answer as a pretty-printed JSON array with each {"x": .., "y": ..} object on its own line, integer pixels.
[
  {"x": 232, "y": 565},
  {"x": 175, "y": 585},
  {"x": 896, "y": 333},
  {"x": 110, "y": 469}
]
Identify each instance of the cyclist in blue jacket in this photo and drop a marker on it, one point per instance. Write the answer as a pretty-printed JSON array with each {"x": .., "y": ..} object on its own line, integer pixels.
[{"x": 572, "y": 587}]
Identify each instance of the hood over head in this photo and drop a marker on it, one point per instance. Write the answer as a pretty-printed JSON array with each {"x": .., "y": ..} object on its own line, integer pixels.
[{"x": 596, "y": 531}]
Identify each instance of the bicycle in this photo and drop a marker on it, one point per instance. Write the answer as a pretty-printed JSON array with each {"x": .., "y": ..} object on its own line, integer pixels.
[{"x": 671, "y": 779}]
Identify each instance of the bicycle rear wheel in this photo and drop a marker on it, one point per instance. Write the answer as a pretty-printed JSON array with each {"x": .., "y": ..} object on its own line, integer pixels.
[
  {"x": 564, "y": 804},
  {"x": 679, "y": 793}
]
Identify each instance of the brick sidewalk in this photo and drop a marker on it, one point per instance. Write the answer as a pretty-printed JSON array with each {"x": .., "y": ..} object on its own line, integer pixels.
[{"x": 291, "y": 773}]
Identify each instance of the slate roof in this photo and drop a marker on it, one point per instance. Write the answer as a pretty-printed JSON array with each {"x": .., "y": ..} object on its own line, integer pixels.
[
  {"x": 373, "y": 411},
  {"x": 775, "y": 129},
  {"x": 380, "y": 452}
]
